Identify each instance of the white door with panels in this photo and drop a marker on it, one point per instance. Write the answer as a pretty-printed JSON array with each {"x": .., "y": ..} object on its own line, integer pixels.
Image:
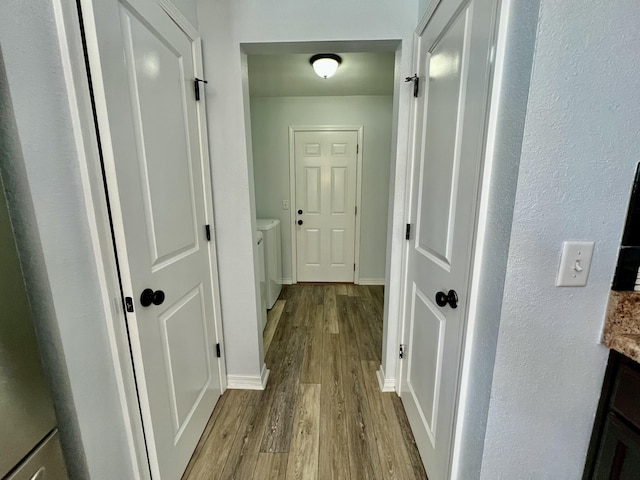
[
  {"x": 454, "y": 71},
  {"x": 325, "y": 207},
  {"x": 143, "y": 66}
]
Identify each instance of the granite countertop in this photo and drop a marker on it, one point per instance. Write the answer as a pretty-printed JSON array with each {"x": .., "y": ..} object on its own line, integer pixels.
[{"x": 622, "y": 324}]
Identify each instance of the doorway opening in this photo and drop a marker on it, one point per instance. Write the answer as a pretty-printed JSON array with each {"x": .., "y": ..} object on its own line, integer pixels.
[
  {"x": 330, "y": 195},
  {"x": 286, "y": 96}
]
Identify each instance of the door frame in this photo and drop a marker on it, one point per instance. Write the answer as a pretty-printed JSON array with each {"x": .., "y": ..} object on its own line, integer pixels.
[
  {"x": 482, "y": 187},
  {"x": 292, "y": 191},
  {"x": 102, "y": 195}
]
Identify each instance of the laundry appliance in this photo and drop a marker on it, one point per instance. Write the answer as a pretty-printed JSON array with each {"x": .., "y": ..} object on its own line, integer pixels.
[{"x": 270, "y": 228}]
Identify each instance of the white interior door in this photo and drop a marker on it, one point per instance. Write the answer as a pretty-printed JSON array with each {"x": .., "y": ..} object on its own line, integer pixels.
[
  {"x": 454, "y": 68},
  {"x": 158, "y": 178},
  {"x": 325, "y": 173}
]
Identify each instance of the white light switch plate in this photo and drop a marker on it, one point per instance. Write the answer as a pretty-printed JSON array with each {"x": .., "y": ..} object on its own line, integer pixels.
[
  {"x": 575, "y": 264},
  {"x": 285, "y": 204}
]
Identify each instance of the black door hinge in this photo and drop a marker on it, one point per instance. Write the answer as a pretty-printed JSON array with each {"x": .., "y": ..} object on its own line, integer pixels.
[
  {"x": 128, "y": 304},
  {"x": 218, "y": 350},
  {"x": 407, "y": 233},
  {"x": 196, "y": 87},
  {"x": 357, "y": 148},
  {"x": 207, "y": 230},
  {"x": 354, "y": 267},
  {"x": 416, "y": 83},
  {"x": 402, "y": 350}
]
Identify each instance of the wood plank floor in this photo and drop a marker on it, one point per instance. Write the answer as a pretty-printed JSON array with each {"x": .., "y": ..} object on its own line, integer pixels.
[{"x": 322, "y": 415}]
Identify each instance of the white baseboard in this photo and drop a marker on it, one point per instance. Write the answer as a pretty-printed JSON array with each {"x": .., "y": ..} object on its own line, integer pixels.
[
  {"x": 248, "y": 382},
  {"x": 361, "y": 281},
  {"x": 370, "y": 281},
  {"x": 386, "y": 384}
]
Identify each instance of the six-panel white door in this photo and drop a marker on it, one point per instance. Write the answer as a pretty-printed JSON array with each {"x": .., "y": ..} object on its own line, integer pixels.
[
  {"x": 325, "y": 172},
  {"x": 149, "y": 122},
  {"x": 454, "y": 68}
]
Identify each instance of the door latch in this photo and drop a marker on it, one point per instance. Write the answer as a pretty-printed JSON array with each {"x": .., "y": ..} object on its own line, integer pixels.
[{"x": 128, "y": 304}]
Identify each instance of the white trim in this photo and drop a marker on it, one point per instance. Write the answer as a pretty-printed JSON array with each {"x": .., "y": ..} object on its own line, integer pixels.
[
  {"x": 411, "y": 155},
  {"x": 249, "y": 382},
  {"x": 81, "y": 110},
  {"x": 486, "y": 188},
  {"x": 386, "y": 384},
  {"x": 292, "y": 190},
  {"x": 201, "y": 108},
  {"x": 184, "y": 24},
  {"x": 371, "y": 281},
  {"x": 424, "y": 21},
  {"x": 287, "y": 281}
]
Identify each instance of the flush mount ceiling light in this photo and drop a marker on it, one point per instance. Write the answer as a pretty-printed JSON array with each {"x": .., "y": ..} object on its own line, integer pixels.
[{"x": 325, "y": 64}]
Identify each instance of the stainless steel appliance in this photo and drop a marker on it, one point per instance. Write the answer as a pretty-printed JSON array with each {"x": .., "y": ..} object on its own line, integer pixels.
[{"x": 29, "y": 444}]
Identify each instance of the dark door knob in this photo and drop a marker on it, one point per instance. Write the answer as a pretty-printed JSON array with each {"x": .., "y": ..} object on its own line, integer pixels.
[
  {"x": 300, "y": 222},
  {"x": 148, "y": 296},
  {"x": 299, "y": 212},
  {"x": 451, "y": 298}
]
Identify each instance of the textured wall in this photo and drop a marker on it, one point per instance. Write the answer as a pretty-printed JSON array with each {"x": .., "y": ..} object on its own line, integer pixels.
[
  {"x": 271, "y": 118},
  {"x": 579, "y": 154}
]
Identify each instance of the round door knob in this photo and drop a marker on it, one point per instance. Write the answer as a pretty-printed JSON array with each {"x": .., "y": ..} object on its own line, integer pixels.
[
  {"x": 451, "y": 298},
  {"x": 148, "y": 297},
  {"x": 158, "y": 297},
  {"x": 300, "y": 222},
  {"x": 299, "y": 212}
]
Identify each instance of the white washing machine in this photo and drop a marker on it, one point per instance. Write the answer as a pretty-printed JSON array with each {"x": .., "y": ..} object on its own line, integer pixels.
[
  {"x": 270, "y": 227},
  {"x": 263, "y": 278}
]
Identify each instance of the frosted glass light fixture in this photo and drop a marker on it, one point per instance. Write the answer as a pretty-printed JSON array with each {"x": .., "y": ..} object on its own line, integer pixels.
[{"x": 325, "y": 64}]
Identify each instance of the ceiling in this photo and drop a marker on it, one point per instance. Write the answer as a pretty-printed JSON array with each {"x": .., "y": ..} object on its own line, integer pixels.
[{"x": 287, "y": 75}]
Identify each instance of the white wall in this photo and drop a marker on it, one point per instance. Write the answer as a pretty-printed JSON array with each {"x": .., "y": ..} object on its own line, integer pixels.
[
  {"x": 422, "y": 7},
  {"x": 225, "y": 26},
  {"x": 270, "y": 121},
  {"x": 578, "y": 158}
]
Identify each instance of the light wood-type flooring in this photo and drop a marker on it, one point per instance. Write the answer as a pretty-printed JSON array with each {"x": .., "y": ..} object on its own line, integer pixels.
[{"x": 322, "y": 415}]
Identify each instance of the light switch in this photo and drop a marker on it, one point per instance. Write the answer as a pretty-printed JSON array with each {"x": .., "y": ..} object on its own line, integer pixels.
[
  {"x": 575, "y": 264},
  {"x": 285, "y": 204}
]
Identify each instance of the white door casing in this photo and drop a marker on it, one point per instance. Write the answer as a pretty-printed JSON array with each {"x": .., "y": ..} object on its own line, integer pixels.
[
  {"x": 153, "y": 139},
  {"x": 326, "y": 188},
  {"x": 454, "y": 65}
]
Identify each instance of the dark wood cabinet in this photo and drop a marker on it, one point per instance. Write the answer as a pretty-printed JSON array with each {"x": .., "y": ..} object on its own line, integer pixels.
[
  {"x": 619, "y": 453},
  {"x": 614, "y": 452}
]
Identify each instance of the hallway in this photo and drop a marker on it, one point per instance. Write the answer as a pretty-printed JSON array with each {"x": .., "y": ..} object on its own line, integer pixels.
[{"x": 322, "y": 415}]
